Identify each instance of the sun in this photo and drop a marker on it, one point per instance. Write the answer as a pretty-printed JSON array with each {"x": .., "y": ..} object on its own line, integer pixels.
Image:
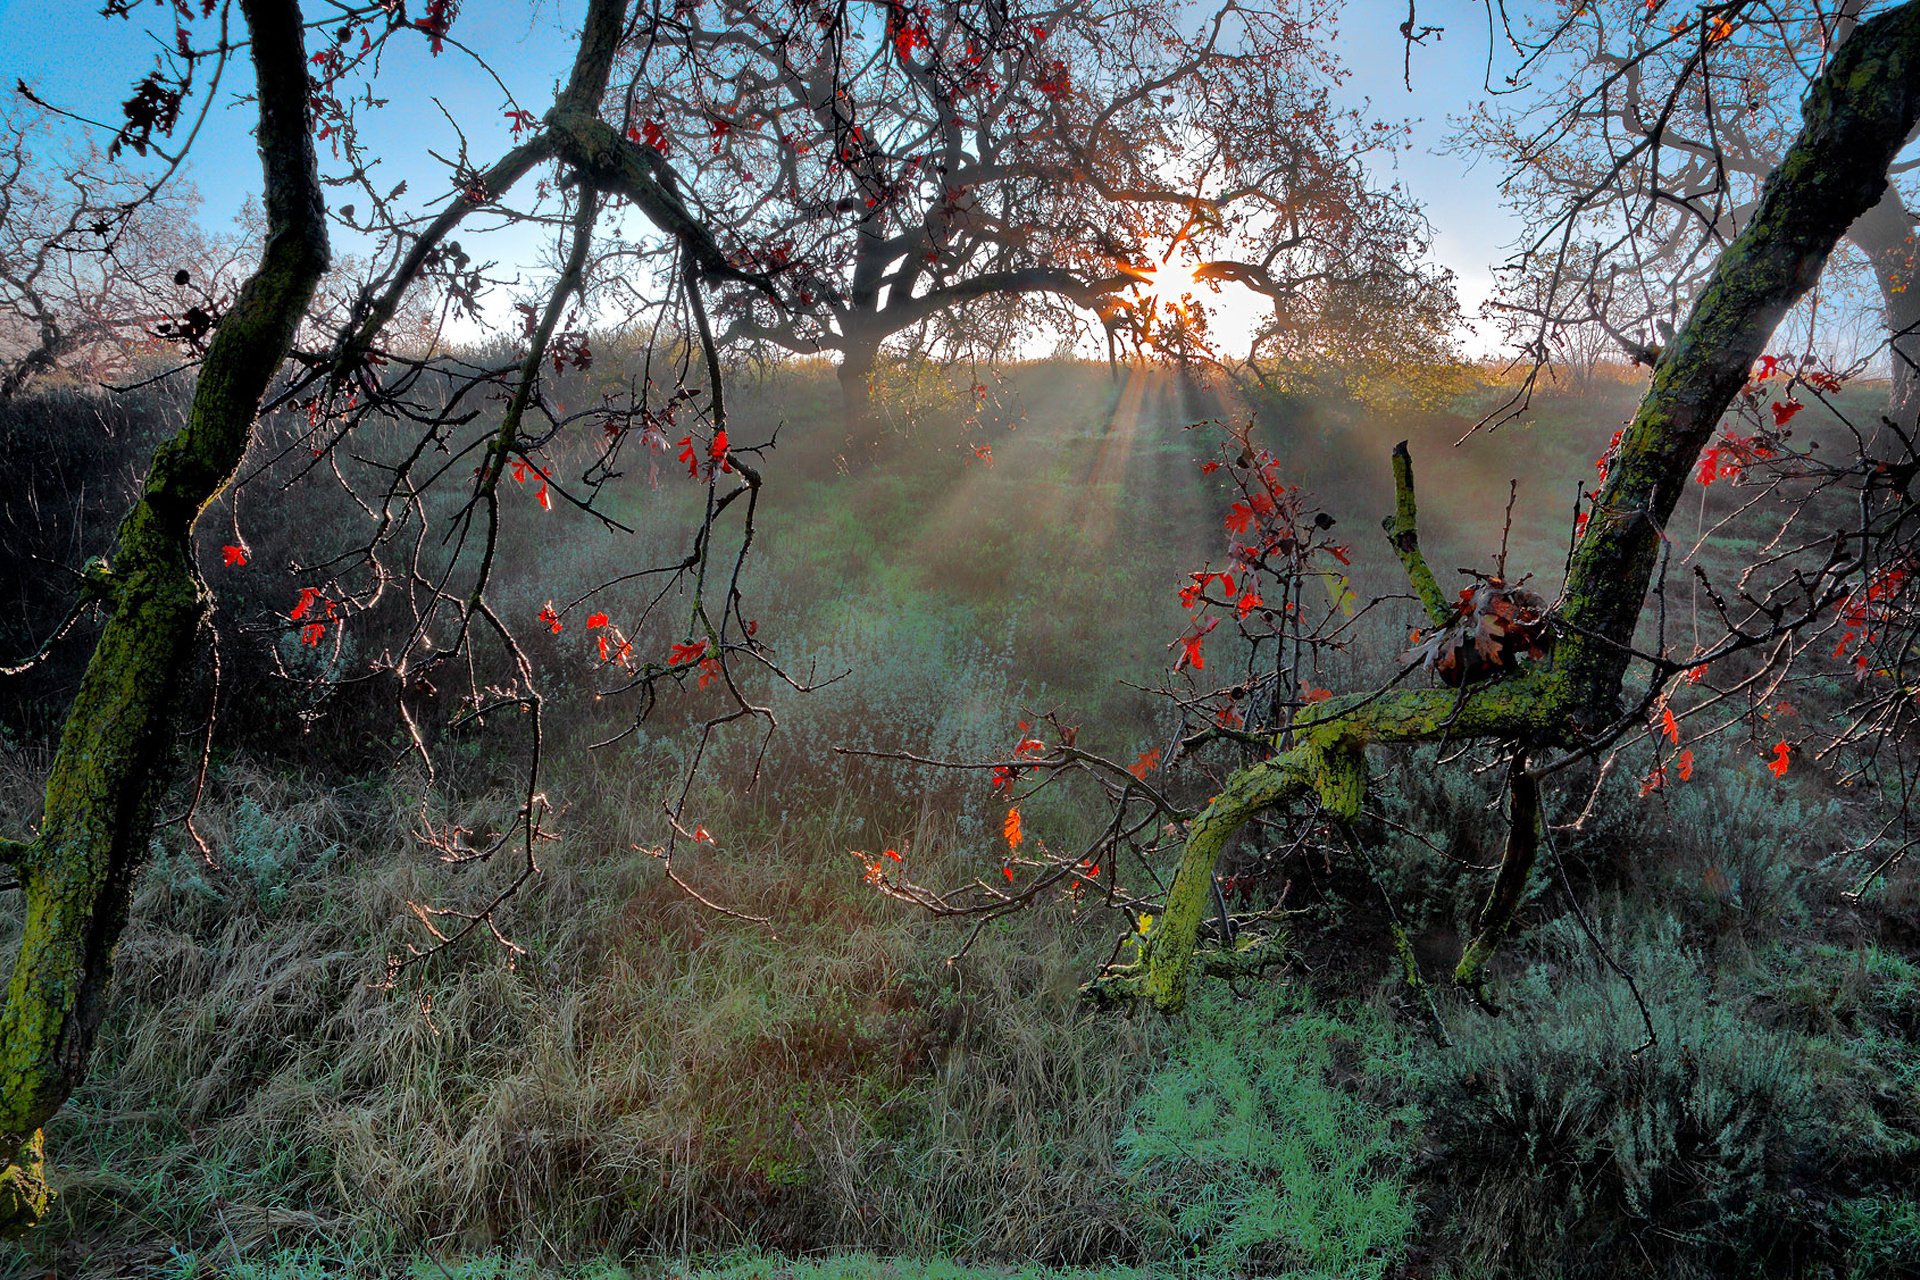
[{"x": 1167, "y": 279}]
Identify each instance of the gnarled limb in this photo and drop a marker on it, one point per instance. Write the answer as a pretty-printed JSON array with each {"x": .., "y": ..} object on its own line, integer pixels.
[
  {"x": 1857, "y": 117},
  {"x": 1403, "y": 531},
  {"x": 1327, "y": 763},
  {"x": 596, "y": 150},
  {"x": 77, "y": 876},
  {"x": 1510, "y": 883}
]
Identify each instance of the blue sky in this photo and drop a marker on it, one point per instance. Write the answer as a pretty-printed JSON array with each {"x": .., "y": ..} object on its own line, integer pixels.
[{"x": 86, "y": 63}]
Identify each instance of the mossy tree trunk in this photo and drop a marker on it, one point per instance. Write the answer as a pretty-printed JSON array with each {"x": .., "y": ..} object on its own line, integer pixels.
[
  {"x": 77, "y": 871},
  {"x": 1856, "y": 119}
]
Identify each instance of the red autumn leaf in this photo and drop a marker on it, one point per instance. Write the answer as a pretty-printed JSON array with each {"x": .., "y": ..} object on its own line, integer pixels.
[
  {"x": 1709, "y": 466},
  {"x": 1239, "y": 516},
  {"x": 1007, "y": 871},
  {"x": 235, "y": 557},
  {"x": 1145, "y": 764},
  {"x": 691, "y": 457},
  {"x": 1783, "y": 412},
  {"x": 700, "y": 835},
  {"x": 550, "y": 618},
  {"x": 1655, "y": 781},
  {"x": 1684, "y": 764},
  {"x": 595, "y": 620},
  {"x": 718, "y": 451},
  {"x": 1248, "y": 603},
  {"x": 1208, "y": 468},
  {"x": 603, "y": 647},
  {"x": 1011, "y": 829},
  {"x": 1778, "y": 765},
  {"x": 1191, "y": 654},
  {"x": 1311, "y": 694},
  {"x": 891, "y": 853},
  {"x": 709, "y": 671},
  {"x": 305, "y": 604},
  {"x": 546, "y": 503},
  {"x": 1669, "y": 726},
  {"x": 683, "y": 654},
  {"x": 312, "y": 633}
]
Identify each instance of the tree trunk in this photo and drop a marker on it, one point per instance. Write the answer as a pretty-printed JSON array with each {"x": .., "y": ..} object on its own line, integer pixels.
[
  {"x": 77, "y": 872},
  {"x": 859, "y": 358},
  {"x": 1885, "y": 233}
]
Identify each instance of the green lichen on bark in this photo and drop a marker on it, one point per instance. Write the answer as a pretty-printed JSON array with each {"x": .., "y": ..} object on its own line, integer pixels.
[
  {"x": 24, "y": 1194},
  {"x": 77, "y": 874},
  {"x": 1403, "y": 534},
  {"x": 1857, "y": 117},
  {"x": 1510, "y": 882}
]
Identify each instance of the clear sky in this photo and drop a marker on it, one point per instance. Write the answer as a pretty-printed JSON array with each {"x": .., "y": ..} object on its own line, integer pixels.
[{"x": 87, "y": 63}]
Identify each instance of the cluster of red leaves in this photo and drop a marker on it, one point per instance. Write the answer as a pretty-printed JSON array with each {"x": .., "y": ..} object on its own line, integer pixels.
[
  {"x": 1668, "y": 727},
  {"x": 874, "y": 868},
  {"x": 1730, "y": 458},
  {"x": 1056, "y": 83},
  {"x": 1269, "y": 533},
  {"x": 1871, "y": 607},
  {"x": 570, "y": 348},
  {"x": 716, "y": 456},
  {"x": 907, "y": 31},
  {"x": 651, "y": 133},
  {"x": 1771, "y": 408},
  {"x": 520, "y": 470},
  {"x": 1005, "y": 775},
  {"x": 437, "y": 22},
  {"x": 313, "y": 611}
]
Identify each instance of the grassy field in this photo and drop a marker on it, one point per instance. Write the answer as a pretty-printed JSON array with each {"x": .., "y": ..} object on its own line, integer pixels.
[{"x": 661, "y": 1090}]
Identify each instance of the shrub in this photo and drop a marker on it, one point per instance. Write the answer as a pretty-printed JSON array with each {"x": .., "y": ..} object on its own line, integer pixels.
[
  {"x": 1264, "y": 1141},
  {"x": 1572, "y": 1146}
]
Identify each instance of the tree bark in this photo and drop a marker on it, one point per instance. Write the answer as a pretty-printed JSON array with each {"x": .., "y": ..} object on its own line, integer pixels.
[
  {"x": 77, "y": 872},
  {"x": 859, "y": 358},
  {"x": 1885, "y": 233},
  {"x": 1856, "y": 119}
]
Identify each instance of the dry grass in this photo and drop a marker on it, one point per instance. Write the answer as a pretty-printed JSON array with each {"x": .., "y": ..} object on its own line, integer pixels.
[{"x": 653, "y": 1078}]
